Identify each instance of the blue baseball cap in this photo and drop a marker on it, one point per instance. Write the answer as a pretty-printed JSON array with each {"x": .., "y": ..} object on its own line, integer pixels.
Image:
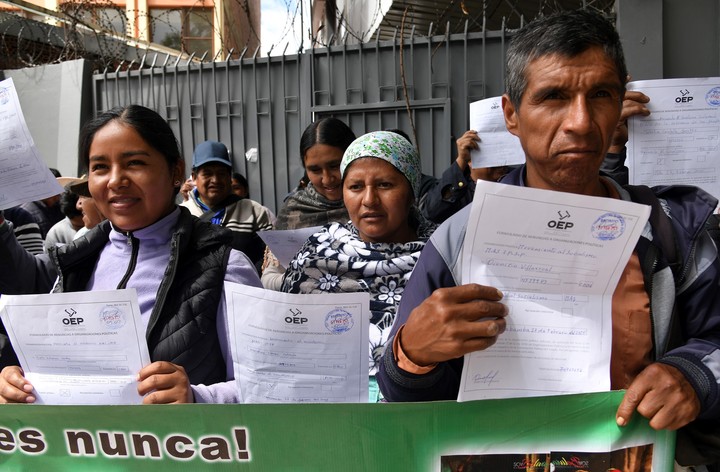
[{"x": 211, "y": 151}]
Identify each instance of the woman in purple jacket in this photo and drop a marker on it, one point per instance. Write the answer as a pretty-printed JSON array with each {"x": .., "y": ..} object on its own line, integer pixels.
[{"x": 176, "y": 263}]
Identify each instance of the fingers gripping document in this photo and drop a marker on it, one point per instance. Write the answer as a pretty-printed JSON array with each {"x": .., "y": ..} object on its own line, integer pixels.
[
  {"x": 79, "y": 348},
  {"x": 498, "y": 147},
  {"x": 292, "y": 348},
  {"x": 557, "y": 257}
]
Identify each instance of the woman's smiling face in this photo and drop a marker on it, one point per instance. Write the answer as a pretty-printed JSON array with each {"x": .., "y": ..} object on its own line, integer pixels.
[
  {"x": 130, "y": 181},
  {"x": 322, "y": 164}
]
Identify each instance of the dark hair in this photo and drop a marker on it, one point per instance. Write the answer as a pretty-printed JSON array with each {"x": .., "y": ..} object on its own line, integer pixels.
[
  {"x": 152, "y": 127},
  {"x": 330, "y": 131},
  {"x": 55, "y": 172},
  {"x": 568, "y": 34},
  {"x": 68, "y": 204},
  {"x": 241, "y": 180}
]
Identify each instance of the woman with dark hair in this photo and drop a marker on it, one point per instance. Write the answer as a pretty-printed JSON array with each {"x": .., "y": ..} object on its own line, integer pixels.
[
  {"x": 320, "y": 202},
  {"x": 176, "y": 263},
  {"x": 321, "y": 148},
  {"x": 377, "y": 249}
]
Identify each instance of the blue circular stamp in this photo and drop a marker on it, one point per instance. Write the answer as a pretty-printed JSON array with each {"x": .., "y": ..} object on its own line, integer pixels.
[
  {"x": 339, "y": 321},
  {"x": 608, "y": 227},
  {"x": 713, "y": 97},
  {"x": 112, "y": 317}
]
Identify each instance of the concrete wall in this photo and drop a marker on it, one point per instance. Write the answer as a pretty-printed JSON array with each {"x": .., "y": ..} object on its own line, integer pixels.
[{"x": 56, "y": 100}]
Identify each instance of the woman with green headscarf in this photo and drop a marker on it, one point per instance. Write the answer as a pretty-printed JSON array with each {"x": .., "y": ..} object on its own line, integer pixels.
[{"x": 376, "y": 251}]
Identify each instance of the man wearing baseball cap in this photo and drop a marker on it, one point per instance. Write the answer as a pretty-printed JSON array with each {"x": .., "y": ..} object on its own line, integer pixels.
[{"x": 212, "y": 200}]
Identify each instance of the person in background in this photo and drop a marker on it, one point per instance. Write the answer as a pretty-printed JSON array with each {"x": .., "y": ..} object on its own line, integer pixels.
[
  {"x": 212, "y": 200},
  {"x": 91, "y": 214},
  {"x": 634, "y": 104},
  {"x": 377, "y": 249},
  {"x": 26, "y": 229},
  {"x": 175, "y": 262},
  {"x": 319, "y": 202},
  {"x": 64, "y": 231},
  {"x": 240, "y": 185},
  {"x": 456, "y": 187},
  {"x": 46, "y": 212},
  {"x": 185, "y": 190},
  {"x": 566, "y": 78},
  {"x": 241, "y": 188},
  {"x": 427, "y": 182}
]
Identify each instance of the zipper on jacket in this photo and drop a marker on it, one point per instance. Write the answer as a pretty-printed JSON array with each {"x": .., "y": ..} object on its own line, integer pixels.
[
  {"x": 165, "y": 284},
  {"x": 132, "y": 242},
  {"x": 686, "y": 267}
]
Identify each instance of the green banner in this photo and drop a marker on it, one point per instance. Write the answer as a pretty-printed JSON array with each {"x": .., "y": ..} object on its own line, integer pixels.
[{"x": 436, "y": 436}]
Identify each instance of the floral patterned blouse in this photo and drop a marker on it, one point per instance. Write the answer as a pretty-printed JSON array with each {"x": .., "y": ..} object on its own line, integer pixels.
[{"x": 336, "y": 260}]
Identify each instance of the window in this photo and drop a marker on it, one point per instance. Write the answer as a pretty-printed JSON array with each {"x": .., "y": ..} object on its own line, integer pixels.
[
  {"x": 110, "y": 18},
  {"x": 186, "y": 29}
]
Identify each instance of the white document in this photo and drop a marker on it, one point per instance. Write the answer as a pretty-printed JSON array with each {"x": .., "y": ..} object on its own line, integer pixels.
[
  {"x": 78, "y": 348},
  {"x": 24, "y": 177},
  {"x": 498, "y": 147},
  {"x": 557, "y": 258},
  {"x": 679, "y": 142},
  {"x": 286, "y": 243},
  {"x": 293, "y": 348}
]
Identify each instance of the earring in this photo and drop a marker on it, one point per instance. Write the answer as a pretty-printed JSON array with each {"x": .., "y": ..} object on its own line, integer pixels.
[{"x": 177, "y": 183}]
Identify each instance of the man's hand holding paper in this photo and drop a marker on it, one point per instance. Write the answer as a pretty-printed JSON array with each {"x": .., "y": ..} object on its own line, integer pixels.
[{"x": 557, "y": 266}]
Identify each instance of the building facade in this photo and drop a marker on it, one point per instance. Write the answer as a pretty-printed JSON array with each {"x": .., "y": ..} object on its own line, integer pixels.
[{"x": 199, "y": 27}]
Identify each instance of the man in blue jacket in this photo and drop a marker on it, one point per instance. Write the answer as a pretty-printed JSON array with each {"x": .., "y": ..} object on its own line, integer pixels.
[{"x": 565, "y": 84}]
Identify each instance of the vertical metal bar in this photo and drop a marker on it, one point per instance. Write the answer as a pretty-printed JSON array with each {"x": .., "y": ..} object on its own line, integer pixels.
[
  {"x": 312, "y": 82},
  {"x": 284, "y": 121},
  {"x": 270, "y": 122},
  {"x": 502, "y": 48},
  {"x": 448, "y": 63},
  {"x": 117, "y": 82},
  {"x": 412, "y": 62},
  {"x": 154, "y": 103},
  {"x": 128, "y": 85},
  {"x": 165, "y": 92},
  {"x": 243, "y": 127},
  {"x": 178, "y": 103},
  {"x": 377, "y": 65},
  {"x": 483, "y": 56},
  {"x": 466, "y": 80},
  {"x": 229, "y": 114},
  {"x": 345, "y": 71},
  {"x": 331, "y": 101},
  {"x": 213, "y": 70},
  {"x": 106, "y": 94},
  {"x": 257, "y": 120},
  {"x": 430, "y": 67},
  {"x": 140, "y": 81},
  {"x": 191, "y": 104},
  {"x": 396, "y": 68},
  {"x": 201, "y": 103},
  {"x": 362, "y": 73}
]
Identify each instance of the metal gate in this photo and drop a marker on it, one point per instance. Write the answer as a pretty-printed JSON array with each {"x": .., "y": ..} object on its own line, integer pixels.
[{"x": 422, "y": 85}]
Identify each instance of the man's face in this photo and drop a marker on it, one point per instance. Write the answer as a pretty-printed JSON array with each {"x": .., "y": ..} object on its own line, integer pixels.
[
  {"x": 566, "y": 120},
  {"x": 214, "y": 182}
]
